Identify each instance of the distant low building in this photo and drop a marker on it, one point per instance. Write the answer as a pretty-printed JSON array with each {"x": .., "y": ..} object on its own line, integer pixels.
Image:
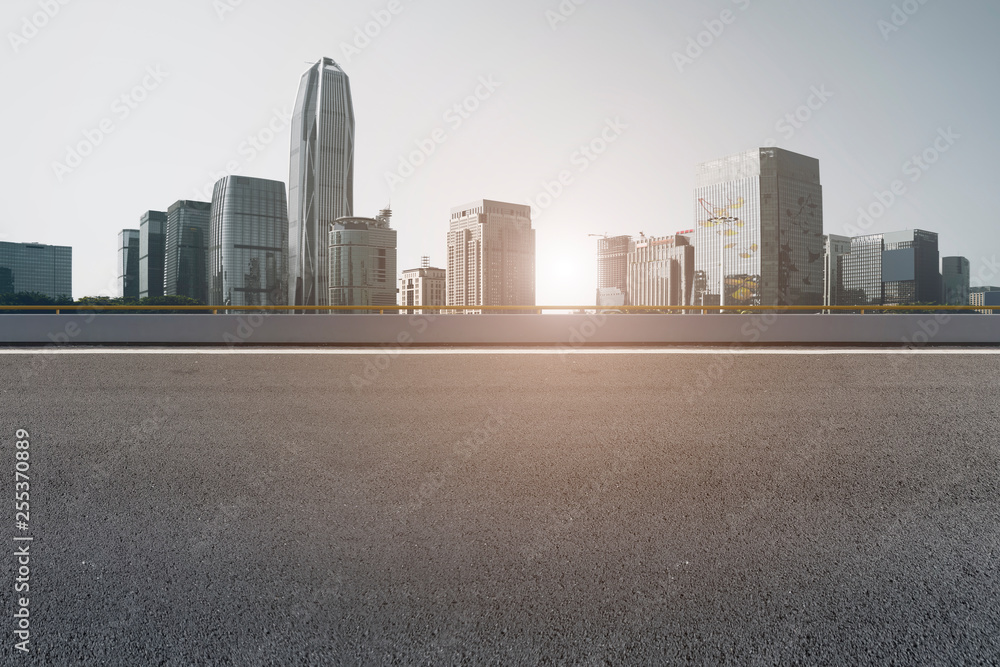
[
  {"x": 425, "y": 286},
  {"x": 611, "y": 297},
  {"x": 36, "y": 267},
  {"x": 985, "y": 296},
  {"x": 362, "y": 269},
  {"x": 661, "y": 271},
  {"x": 890, "y": 269}
]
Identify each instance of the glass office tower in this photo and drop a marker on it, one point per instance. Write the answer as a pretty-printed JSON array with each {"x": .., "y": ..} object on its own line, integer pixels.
[
  {"x": 955, "y": 281},
  {"x": 248, "y": 243},
  {"x": 186, "y": 249},
  {"x": 660, "y": 271},
  {"x": 363, "y": 262},
  {"x": 35, "y": 267},
  {"x": 321, "y": 177},
  {"x": 891, "y": 269},
  {"x": 152, "y": 247},
  {"x": 759, "y": 230},
  {"x": 128, "y": 263},
  {"x": 860, "y": 272}
]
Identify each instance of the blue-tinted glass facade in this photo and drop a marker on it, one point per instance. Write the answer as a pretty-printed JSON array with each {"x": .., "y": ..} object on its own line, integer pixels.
[
  {"x": 128, "y": 263},
  {"x": 248, "y": 243},
  {"x": 34, "y": 267},
  {"x": 321, "y": 177},
  {"x": 186, "y": 250},
  {"x": 759, "y": 230},
  {"x": 152, "y": 246}
]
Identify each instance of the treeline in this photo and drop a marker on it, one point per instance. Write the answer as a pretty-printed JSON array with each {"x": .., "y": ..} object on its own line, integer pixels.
[{"x": 95, "y": 302}]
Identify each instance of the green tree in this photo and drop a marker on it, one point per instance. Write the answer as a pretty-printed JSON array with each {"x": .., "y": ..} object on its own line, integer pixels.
[{"x": 32, "y": 299}]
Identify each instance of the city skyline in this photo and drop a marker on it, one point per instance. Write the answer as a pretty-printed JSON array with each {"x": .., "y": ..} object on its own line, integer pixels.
[{"x": 892, "y": 113}]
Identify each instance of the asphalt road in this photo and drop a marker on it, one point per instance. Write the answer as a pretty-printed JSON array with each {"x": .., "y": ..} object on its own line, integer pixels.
[{"x": 518, "y": 509}]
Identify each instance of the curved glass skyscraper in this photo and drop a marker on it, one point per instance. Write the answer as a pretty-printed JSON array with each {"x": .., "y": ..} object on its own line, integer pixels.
[
  {"x": 321, "y": 177},
  {"x": 248, "y": 243}
]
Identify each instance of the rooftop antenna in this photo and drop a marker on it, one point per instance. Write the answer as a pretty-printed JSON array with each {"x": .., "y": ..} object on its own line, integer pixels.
[{"x": 425, "y": 262}]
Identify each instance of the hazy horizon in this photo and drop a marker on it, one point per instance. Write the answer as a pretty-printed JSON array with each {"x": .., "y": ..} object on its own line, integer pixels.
[{"x": 533, "y": 85}]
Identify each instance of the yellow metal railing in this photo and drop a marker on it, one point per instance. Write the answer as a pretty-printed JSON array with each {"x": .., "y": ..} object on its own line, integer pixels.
[{"x": 535, "y": 309}]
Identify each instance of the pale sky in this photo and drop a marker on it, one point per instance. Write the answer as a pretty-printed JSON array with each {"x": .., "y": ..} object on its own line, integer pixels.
[{"x": 183, "y": 85}]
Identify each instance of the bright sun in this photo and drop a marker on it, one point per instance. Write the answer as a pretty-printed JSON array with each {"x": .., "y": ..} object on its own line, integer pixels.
[{"x": 564, "y": 281}]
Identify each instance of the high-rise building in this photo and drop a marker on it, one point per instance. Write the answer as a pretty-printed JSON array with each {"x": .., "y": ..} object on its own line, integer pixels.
[
  {"x": 321, "y": 177},
  {"x": 612, "y": 270},
  {"x": 491, "y": 255},
  {"x": 152, "y": 248},
  {"x": 833, "y": 247},
  {"x": 128, "y": 263},
  {"x": 248, "y": 243},
  {"x": 759, "y": 230},
  {"x": 36, "y": 267},
  {"x": 890, "y": 269},
  {"x": 362, "y": 262},
  {"x": 954, "y": 281},
  {"x": 661, "y": 271},
  {"x": 186, "y": 249},
  {"x": 425, "y": 286}
]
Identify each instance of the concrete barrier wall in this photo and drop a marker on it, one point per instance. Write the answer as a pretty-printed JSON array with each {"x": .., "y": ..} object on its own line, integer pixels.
[{"x": 558, "y": 330}]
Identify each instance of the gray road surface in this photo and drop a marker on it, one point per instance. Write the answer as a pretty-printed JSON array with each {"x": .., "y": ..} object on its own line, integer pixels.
[{"x": 520, "y": 509}]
